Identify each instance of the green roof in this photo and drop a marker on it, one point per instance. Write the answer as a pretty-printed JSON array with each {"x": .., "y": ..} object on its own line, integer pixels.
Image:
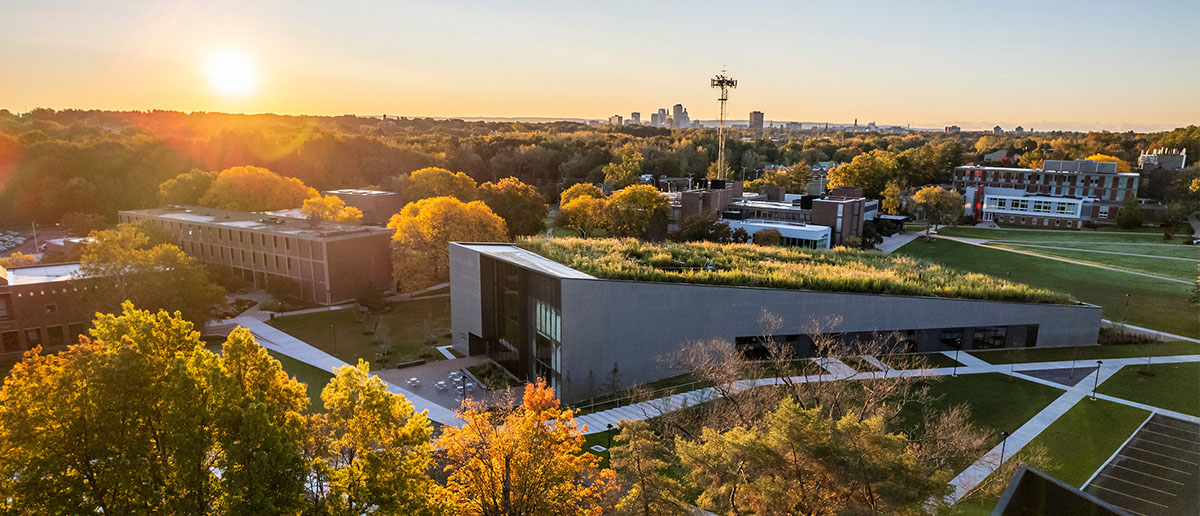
[{"x": 837, "y": 270}]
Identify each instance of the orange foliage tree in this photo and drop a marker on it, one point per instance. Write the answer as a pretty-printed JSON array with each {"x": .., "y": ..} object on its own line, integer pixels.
[
  {"x": 424, "y": 230},
  {"x": 1122, "y": 165},
  {"x": 255, "y": 189},
  {"x": 530, "y": 464}
]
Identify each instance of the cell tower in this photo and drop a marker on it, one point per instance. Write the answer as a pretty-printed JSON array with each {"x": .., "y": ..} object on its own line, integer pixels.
[{"x": 726, "y": 84}]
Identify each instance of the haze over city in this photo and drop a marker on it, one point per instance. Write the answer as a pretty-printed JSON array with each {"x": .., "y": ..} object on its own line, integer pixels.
[{"x": 1059, "y": 65}]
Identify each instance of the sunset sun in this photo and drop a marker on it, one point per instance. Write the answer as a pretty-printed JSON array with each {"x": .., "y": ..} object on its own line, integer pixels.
[{"x": 231, "y": 74}]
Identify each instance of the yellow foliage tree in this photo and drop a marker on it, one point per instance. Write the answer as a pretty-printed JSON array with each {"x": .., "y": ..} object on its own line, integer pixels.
[
  {"x": 330, "y": 208},
  {"x": 580, "y": 190},
  {"x": 634, "y": 210},
  {"x": 18, "y": 259},
  {"x": 529, "y": 465},
  {"x": 1122, "y": 165},
  {"x": 424, "y": 230},
  {"x": 432, "y": 182},
  {"x": 585, "y": 213},
  {"x": 255, "y": 189}
]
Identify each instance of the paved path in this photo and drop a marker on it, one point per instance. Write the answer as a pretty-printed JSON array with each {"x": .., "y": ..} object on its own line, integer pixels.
[
  {"x": 1195, "y": 222},
  {"x": 979, "y": 242},
  {"x": 1135, "y": 255},
  {"x": 280, "y": 342},
  {"x": 896, "y": 241},
  {"x": 1155, "y": 333}
]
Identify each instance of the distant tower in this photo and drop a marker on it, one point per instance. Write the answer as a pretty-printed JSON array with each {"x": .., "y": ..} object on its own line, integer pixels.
[
  {"x": 725, "y": 84},
  {"x": 756, "y": 121},
  {"x": 635, "y": 118}
]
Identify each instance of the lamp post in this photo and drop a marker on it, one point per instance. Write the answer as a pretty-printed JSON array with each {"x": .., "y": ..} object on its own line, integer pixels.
[
  {"x": 1096, "y": 382},
  {"x": 333, "y": 331},
  {"x": 1003, "y": 443},
  {"x": 610, "y": 427},
  {"x": 463, "y": 382},
  {"x": 957, "y": 348}
]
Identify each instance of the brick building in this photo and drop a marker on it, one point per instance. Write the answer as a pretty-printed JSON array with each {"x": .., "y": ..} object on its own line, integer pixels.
[
  {"x": 1062, "y": 194},
  {"x": 377, "y": 206},
  {"x": 324, "y": 263},
  {"x": 36, "y": 308}
]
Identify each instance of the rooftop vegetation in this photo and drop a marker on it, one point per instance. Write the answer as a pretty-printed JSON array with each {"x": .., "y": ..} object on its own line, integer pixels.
[{"x": 838, "y": 270}]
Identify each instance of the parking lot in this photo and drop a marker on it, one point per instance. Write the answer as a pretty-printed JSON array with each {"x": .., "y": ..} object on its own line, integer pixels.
[{"x": 1156, "y": 473}]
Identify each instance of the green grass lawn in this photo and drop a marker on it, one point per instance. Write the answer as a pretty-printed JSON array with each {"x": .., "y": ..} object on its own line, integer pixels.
[
  {"x": 406, "y": 329},
  {"x": 858, "y": 364},
  {"x": 313, "y": 378},
  {"x": 1047, "y": 237},
  {"x": 1087, "y": 353},
  {"x": 1157, "y": 304},
  {"x": 998, "y": 402},
  {"x": 1161, "y": 266},
  {"x": 1086, "y": 436},
  {"x": 1173, "y": 386}
]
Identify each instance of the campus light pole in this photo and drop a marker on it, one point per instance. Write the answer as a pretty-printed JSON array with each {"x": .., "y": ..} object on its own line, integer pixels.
[
  {"x": 957, "y": 348},
  {"x": 610, "y": 427},
  {"x": 333, "y": 331},
  {"x": 1003, "y": 443},
  {"x": 1096, "y": 382},
  {"x": 463, "y": 382}
]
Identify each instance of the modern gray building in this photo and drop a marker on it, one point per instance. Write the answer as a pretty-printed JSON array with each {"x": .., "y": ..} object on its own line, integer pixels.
[{"x": 539, "y": 318}]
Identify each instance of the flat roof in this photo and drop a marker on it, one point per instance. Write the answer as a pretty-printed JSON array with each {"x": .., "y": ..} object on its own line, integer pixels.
[
  {"x": 265, "y": 222},
  {"x": 40, "y": 273},
  {"x": 785, "y": 228},
  {"x": 509, "y": 253},
  {"x": 359, "y": 191},
  {"x": 775, "y": 205}
]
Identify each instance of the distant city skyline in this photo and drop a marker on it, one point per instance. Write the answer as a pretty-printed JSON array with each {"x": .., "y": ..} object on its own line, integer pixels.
[{"x": 1070, "y": 65}]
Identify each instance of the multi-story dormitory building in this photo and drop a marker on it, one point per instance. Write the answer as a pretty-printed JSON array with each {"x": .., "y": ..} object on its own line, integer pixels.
[
  {"x": 36, "y": 308},
  {"x": 1062, "y": 194},
  {"x": 326, "y": 263}
]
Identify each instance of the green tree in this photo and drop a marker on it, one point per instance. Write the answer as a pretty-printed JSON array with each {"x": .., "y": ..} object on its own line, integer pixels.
[
  {"x": 578, "y": 190},
  {"x": 520, "y": 205},
  {"x": 941, "y": 206},
  {"x": 255, "y": 189},
  {"x": 121, "y": 264},
  {"x": 768, "y": 237},
  {"x": 585, "y": 213},
  {"x": 870, "y": 171},
  {"x": 186, "y": 188},
  {"x": 634, "y": 211},
  {"x": 702, "y": 228},
  {"x": 641, "y": 460},
  {"x": 433, "y": 182},
  {"x": 80, "y": 224},
  {"x": 794, "y": 179},
  {"x": 1130, "y": 215},
  {"x": 424, "y": 230},
  {"x": 626, "y": 169},
  {"x": 370, "y": 451}
]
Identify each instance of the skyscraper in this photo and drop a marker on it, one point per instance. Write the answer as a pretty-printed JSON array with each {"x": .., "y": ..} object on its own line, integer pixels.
[
  {"x": 756, "y": 120},
  {"x": 635, "y": 118},
  {"x": 677, "y": 116}
]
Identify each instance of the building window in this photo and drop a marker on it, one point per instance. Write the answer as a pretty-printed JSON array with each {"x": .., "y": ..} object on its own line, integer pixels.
[
  {"x": 51, "y": 308},
  {"x": 989, "y": 337},
  {"x": 76, "y": 330},
  {"x": 3, "y": 308},
  {"x": 10, "y": 341},
  {"x": 55, "y": 336},
  {"x": 1103, "y": 212},
  {"x": 33, "y": 337}
]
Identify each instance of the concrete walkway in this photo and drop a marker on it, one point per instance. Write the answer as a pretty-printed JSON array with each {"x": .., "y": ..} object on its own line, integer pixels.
[
  {"x": 892, "y": 243},
  {"x": 1120, "y": 253},
  {"x": 280, "y": 342},
  {"x": 979, "y": 242}
]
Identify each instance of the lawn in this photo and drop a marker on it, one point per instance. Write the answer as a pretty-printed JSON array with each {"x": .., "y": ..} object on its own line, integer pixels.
[
  {"x": 1086, "y": 353},
  {"x": 998, "y": 402},
  {"x": 1048, "y": 237},
  {"x": 1168, "y": 266},
  {"x": 313, "y": 378},
  {"x": 410, "y": 329},
  {"x": 1086, "y": 436},
  {"x": 1152, "y": 303},
  {"x": 1173, "y": 386},
  {"x": 858, "y": 364}
]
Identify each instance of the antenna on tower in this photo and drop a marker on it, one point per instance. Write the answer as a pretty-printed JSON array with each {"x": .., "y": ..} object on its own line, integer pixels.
[{"x": 725, "y": 84}]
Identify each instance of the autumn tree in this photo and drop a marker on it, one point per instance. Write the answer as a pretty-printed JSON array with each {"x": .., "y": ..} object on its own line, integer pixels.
[
  {"x": 370, "y": 451},
  {"x": 634, "y": 211},
  {"x": 941, "y": 206},
  {"x": 705, "y": 227},
  {"x": 432, "y": 182},
  {"x": 585, "y": 213},
  {"x": 769, "y": 236},
  {"x": 626, "y": 169},
  {"x": 527, "y": 461},
  {"x": 891, "y": 203},
  {"x": 424, "y": 230},
  {"x": 578, "y": 190},
  {"x": 186, "y": 188},
  {"x": 520, "y": 205},
  {"x": 79, "y": 224},
  {"x": 1130, "y": 215},
  {"x": 250, "y": 188},
  {"x": 142, "y": 418},
  {"x": 871, "y": 171},
  {"x": 641, "y": 459},
  {"x": 794, "y": 179},
  {"x": 18, "y": 259},
  {"x": 330, "y": 208},
  {"x": 121, "y": 264}
]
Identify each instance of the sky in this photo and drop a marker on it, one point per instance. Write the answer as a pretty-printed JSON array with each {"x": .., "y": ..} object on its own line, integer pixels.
[{"x": 1114, "y": 65}]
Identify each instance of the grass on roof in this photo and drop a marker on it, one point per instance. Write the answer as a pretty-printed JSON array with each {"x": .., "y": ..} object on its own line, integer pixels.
[{"x": 839, "y": 270}]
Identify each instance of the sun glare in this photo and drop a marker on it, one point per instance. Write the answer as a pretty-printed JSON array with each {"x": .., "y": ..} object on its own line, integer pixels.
[{"x": 231, "y": 74}]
